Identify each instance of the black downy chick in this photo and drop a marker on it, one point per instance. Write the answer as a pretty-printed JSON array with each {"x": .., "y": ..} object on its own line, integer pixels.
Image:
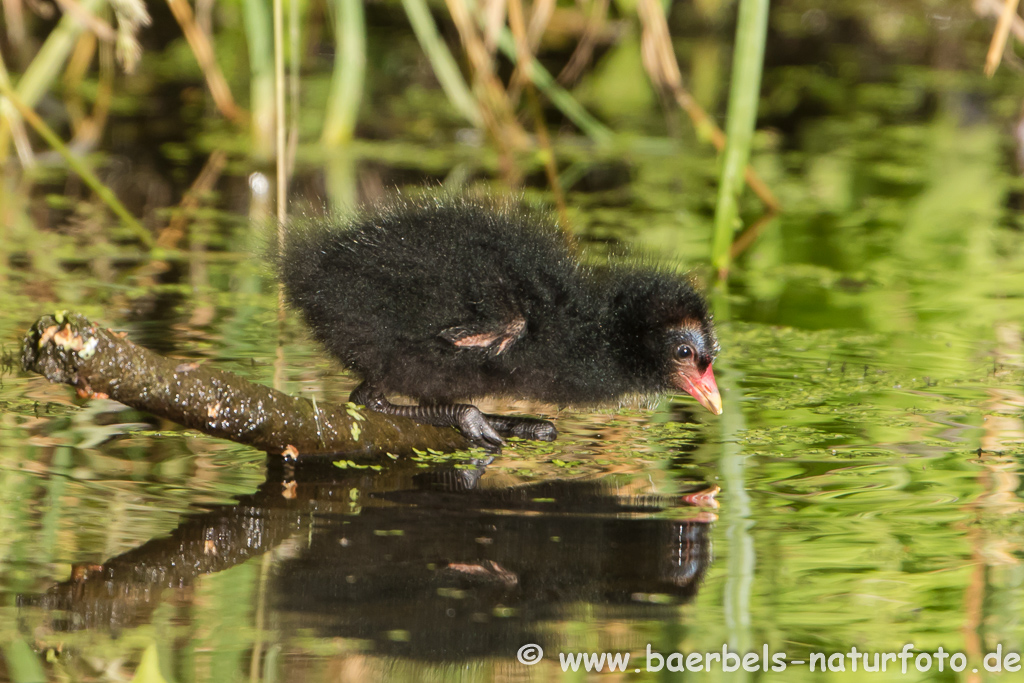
[{"x": 452, "y": 298}]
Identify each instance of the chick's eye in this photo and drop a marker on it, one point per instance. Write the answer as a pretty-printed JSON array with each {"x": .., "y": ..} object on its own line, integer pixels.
[{"x": 684, "y": 352}]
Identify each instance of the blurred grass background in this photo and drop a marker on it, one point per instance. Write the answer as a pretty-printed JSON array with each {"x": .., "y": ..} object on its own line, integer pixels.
[{"x": 523, "y": 93}]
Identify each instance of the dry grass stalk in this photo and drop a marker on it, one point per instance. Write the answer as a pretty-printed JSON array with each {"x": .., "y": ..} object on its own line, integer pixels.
[
  {"x": 524, "y": 55},
  {"x": 43, "y": 10},
  {"x": 519, "y": 78},
  {"x": 14, "y": 18},
  {"x": 171, "y": 235},
  {"x": 747, "y": 237},
  {"x": 89, "y": 129},
  {"x": 203, "y": 51},
  {"x": 17, "y": 131},
  {"x": 77, "y": 66},
  {"x": 294, "y": 79},
  {"x": 492, "y": 94},
  {"x": 493, "y": 14},
  {"x": 12, "y": 125},
  {"x": 540, "y": 17},
  {"x": 281, "y": 161},
  {"x": 523, "y": 72},
  {"x": 994, "y": 8},
  {"x": 102, "y": 29},
  {"x": 495, "y": 107},
  {"x": 660, "y": 62},
  {"x": 517, "y": 24},
  {"x": 584, "y": 52},
  {"x": 1002, "y": 32}
]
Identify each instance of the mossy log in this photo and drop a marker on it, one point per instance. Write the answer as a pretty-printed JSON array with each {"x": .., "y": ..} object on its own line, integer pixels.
[{"x": 101, "y": 363}]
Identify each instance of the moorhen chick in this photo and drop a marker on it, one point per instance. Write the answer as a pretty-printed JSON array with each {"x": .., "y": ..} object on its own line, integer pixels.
[{"x": 451, "y": 298}]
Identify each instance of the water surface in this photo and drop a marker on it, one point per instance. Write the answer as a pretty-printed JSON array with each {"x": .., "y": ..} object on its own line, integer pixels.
[{"x": 866, "y": 464}]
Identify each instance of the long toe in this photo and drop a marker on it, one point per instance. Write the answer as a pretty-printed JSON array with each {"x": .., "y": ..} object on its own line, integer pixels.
[
  {"x": 543, "y": 431},
  {"x": 530, "y": 428},
  {"x": 535, "y": 430}
]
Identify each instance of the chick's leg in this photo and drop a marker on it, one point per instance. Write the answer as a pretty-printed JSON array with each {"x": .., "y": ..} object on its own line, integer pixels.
[
  {"x": 466, "y": 418},
  {"x": 530, "y": 428}
]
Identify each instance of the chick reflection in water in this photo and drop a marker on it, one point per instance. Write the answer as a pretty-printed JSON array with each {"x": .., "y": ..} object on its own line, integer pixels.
[{"x": 462, "y": 571}]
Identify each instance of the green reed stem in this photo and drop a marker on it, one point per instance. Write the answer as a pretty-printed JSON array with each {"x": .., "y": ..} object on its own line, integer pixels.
[
  {"x": 22, "y": 663},
  {"x": 47, "y": 64},
  {"x": 295, "y": 16},
  {"x": 744, "y": 91},
  {"x": 445, "y": 68},
  {"x": 259, "y": 36},
  {"x": 558, "y": 96},
  {"x": 280, "y": 153},
  {"x": 349, "y": 71},
  {"x": 78, "y": 166}
]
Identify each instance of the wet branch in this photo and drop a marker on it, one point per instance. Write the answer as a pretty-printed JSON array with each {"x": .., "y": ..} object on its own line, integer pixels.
[{"x": 102, "y": 363}]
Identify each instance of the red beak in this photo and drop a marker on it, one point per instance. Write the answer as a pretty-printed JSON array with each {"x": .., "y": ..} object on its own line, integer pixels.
[{"x": 703, "y": 388}]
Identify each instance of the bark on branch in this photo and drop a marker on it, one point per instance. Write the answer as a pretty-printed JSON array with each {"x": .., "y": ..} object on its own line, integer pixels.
[{"x": 101, "y": 363}]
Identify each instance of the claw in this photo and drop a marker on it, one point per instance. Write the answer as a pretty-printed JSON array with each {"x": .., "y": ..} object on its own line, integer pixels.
[{"x": 475, "y": 427}]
